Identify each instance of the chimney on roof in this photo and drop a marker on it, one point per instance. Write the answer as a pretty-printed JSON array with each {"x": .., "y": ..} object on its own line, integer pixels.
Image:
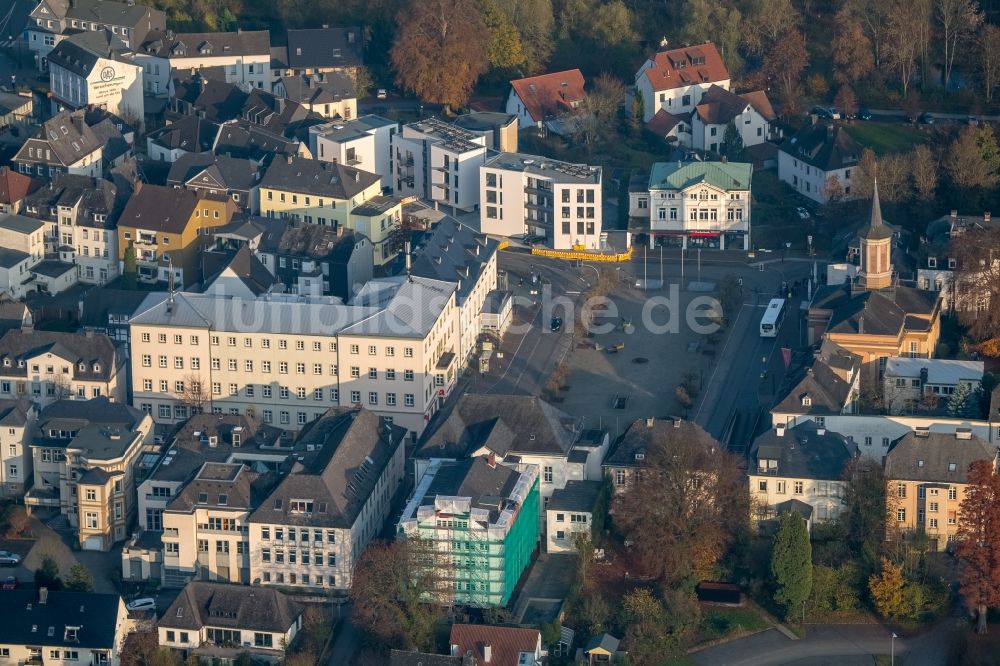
[
  {"x": 649, "y": 421},
  {"x": 491, "y": 460},
  {"x": 779, "y": 429},
  {"x": 43, "y": 595},
  {"x": 487, "y": 653},
  {"x": 454, "y": 649},
  {"x": 987, "y": 216},
  {"x": 861, "y": 325},
  {"x": 289, "y": 158},
  {"x": 821, "y": 431},
  {"x": 963, "y": 433}
]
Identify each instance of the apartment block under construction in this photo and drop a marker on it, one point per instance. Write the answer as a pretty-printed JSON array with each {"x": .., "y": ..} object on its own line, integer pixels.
[{"x": 476, "y": 523}]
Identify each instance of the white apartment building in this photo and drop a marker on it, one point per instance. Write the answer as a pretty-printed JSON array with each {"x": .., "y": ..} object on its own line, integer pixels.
[
  {"x": 96, "y": 69},
  {"x": 393, "y": 349},
  {"x": 696, "y": 204},
  {"x": 205, "y": 533},
  {"x": 909, "y": 381},
  {"x": 22, "y": 246},
  {"x": 242, "y": 57},
  {"x": 364, "y": 143},
  {"x": 64, "y": 143},
  {"x": 804, "y": 463},
  {"x": 529, "y": 194},
  {"x": 674, "y": 80},
  {"x": 16, "y": 465},
  {"x": 310, "y": 531},
  {"x": 438, "y": 162},
  {"x": 819, "y": 162}
]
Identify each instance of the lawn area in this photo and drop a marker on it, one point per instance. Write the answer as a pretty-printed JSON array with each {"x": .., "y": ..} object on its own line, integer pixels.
[
  {"x": 886, "y": 137},
  {"x": 719, "y": 622}
]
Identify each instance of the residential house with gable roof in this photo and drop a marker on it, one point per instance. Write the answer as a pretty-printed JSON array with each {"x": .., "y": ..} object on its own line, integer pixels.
[
  {"x": 14, "y": 187},
  {"x": 330, "y": 95},
  {"x": 243, "y": 57},
  {"x": 311, "y": 529},
  {"x": 820, "y": 162},
  {"x": 802, "y": 469},
  {"x": 549, "y": 102},
  {"x": 187, "y": 134},
  {"x": 694, "y": 204},
  {"x": 750, "y": 113},
  {"x": 927, "y": 475},
  {"x": 318, "y": 51},
  {"x": 63, "y": 144},
  {"x": 96, "y": 69},
  {"x": 238, "y": 178},
  {"x": 628, "y": 453},
  {"x": 218, "y": 620},
  {"x": 22, "y": 248},
  {"x": 168, "y": 229},
  {"x": 237, "y": 275},
  {"x": 85, "y": 456},
  {"x": 515, "y": 430},
  {"x": 497, "y": 646},
  {"x": 17, "y": 419},
  {"x": 52, "y": 21},
  {"x": 80, "y": 627},
  {"x": 672, "y": 81}
]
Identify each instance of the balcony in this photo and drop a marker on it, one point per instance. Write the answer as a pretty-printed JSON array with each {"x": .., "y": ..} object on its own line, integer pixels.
[{"x": 171, "y": 532}]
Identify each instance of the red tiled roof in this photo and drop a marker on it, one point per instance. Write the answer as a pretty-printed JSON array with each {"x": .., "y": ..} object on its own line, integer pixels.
[
  {"x": 759, "y": 101},
  {"x": 550, "y": 94},
  {"x": 507, "y": 643},
  {"x": 664, "y": 122},
  {"x": 15, "y": 186},
  {"x": 686, "y": 66}
]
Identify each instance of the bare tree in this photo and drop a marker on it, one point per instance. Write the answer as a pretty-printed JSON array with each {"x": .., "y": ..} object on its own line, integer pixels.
[
  {"x": 989, "y": 59},
  {"x": 977, "y": 279},
  {"x": 873, "y": 16},
  {"x": 194, "y": 394},
  {"x": 958, "y": 21},
  {"x": 964, "y": 160},
  {"x": 846, "y": 101},
  {"x": 852, "y": 49},
  {"x": 863, "y": 182},
  {"x": 924, "y": 168},
  {"x": 901, "y": 49},
  {"x": 893, "y": 177}
]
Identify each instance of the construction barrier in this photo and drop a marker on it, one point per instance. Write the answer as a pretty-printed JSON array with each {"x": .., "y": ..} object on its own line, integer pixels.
[
  {"x": 583, "y": 255},
  {"x": 503, "y": 245}
]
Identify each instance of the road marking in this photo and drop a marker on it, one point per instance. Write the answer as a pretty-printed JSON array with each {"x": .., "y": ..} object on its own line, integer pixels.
[{"x": 722, "y": 355}]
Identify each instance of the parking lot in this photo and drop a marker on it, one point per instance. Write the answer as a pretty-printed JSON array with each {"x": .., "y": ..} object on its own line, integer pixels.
[{"x": 631, "y": 372}]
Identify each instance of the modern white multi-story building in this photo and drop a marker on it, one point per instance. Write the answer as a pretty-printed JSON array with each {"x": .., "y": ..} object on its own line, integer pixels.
[
  {"x": 96, "y": 69},
  {"x": 674, "y": 80},
  {"x": 438, "y": 162},
  {"x": 696, "y": 204},
  {"x": 364, "y": 143},
  {"x": 529, "y": 194},
  {"x": 394, "y": 349},
  {"x": 242, "y": 57},
  {"x": 311, "y": 529}
]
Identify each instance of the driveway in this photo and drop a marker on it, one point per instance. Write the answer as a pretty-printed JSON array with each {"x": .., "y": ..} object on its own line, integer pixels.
[{"x": 832, "y": 645}]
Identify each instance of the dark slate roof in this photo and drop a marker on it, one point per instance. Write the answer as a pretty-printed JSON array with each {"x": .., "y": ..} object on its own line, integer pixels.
[
  {"x": 484, "y": 484},
  {"x": 826, "y": 390},
  {"x": 824, "y": 146},
  {"x": 794, "y": 506},
  {"x": 350, "y": 449},
  {"x": 604, "y": 641},
  {"x": 226, "y": 605},
  {"x": 95, "y": 614},
  {"x": 881, "y": 312},
  {"x": 576, "y": 496},
  {"x": 103, "y": 11},
  {"x": 98, "y": 411},
  {"x": 156, "y": 208},
  {"x": 325, "y": 47},
  {"x": 14, "y": 412},
  {"x": 406, "y": 658},
  {"x": 927, "y": 456},
  {"x": 74, "y": 347},
  {"x": 168, "y": 44},
  {"x": 250, "y": 271},
  {"x": 220, "y": 101},
  {"x": 193, "y": 447},
  {"x": 314, "y": 241},
  {"x": 79, "y": 53},
  {"x": 53, "y": 268},
  {"x": 95, "y": 196},
  {"x": 10, "y": 258},
  {"x": 219, "y": 486},
  {"x": 191, "y": 133},
  {"x": 803, "y": 453},
  {"x": 208, "y": 170},
  {"x": 244, "y": 139},
  {"x": 67, "y": 135},
  {"x": 454, "y": 252},
  {"x": 504, "y": 424},
  {"x": 877, "y": 230},
  {"x": 278, "y": 115},
  {"x": 319, "y": 88},
  {"x": 644, "y": 435},
  {"x": 98, "y": 304},
  {"x": 324, "y": 179}
]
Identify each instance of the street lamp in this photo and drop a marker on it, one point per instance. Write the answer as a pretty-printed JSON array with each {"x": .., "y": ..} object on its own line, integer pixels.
[{"x": 892, "y": 649}]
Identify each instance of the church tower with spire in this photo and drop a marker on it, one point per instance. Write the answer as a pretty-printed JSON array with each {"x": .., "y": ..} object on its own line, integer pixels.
[{"x": 876, "y": 250}]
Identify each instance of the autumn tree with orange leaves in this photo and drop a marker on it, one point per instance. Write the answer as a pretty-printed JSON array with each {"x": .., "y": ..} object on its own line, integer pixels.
[
  {"x": 684, "y": 506},
  {"x": 978, "y": 547}
]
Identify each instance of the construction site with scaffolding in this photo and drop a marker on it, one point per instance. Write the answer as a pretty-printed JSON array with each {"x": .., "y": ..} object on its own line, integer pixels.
[{"x": 477, "y": 523}]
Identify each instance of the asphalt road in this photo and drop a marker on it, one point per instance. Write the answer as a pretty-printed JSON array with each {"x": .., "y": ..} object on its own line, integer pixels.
[{"x": 824, "y": 645}]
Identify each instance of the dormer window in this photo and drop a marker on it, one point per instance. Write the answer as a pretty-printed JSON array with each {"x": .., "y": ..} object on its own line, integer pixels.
[
  {"x": 97, "y": 367},
  {"x": 6, "y": 363},
  {"x": 806, "y": 401},
  {"x": 931, "y": 262},
  {"x": 71, "y": 634},
  {"x": 20, "y": 363},
  {"x": 952, "y": 263},
  {"x": 83, "y": 367}
]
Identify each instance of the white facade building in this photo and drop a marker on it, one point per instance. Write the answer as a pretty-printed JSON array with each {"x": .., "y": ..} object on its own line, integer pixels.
[
  {"x": 909, "y": 381},
  {"x": 529, "y": 194},
  {"x": 242, "y": 57},
  {"x": 394, "y": 349},
  {"x": 696, "y": 204},
  {"x": 95, "y": 69},
  {"x": 438, "y": 162},
  {"x": 674, "y": 80},
  {"x": 820, "y": 162},
  {"x": 364, "y": 143}
]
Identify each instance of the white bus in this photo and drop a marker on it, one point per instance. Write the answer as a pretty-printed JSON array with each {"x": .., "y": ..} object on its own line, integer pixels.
[{"x": 771, "y": 321}]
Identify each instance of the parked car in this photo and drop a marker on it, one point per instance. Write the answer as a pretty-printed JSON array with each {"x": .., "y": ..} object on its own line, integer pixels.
[
  {"x": 802, "y": 213},
  {"x": 142, "y": 604},
  {"x": 382, "y": 93},
  {"x": 926, "y": 118},
  {"x": 9, "y": 559},
  {"x": 10, "y": 583},
  {"x": 864, "y": 114},
  {"x": 556, "y": 324},
  {"x": 972, "y": 120},
  {"x": 824, "y": 112}
]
